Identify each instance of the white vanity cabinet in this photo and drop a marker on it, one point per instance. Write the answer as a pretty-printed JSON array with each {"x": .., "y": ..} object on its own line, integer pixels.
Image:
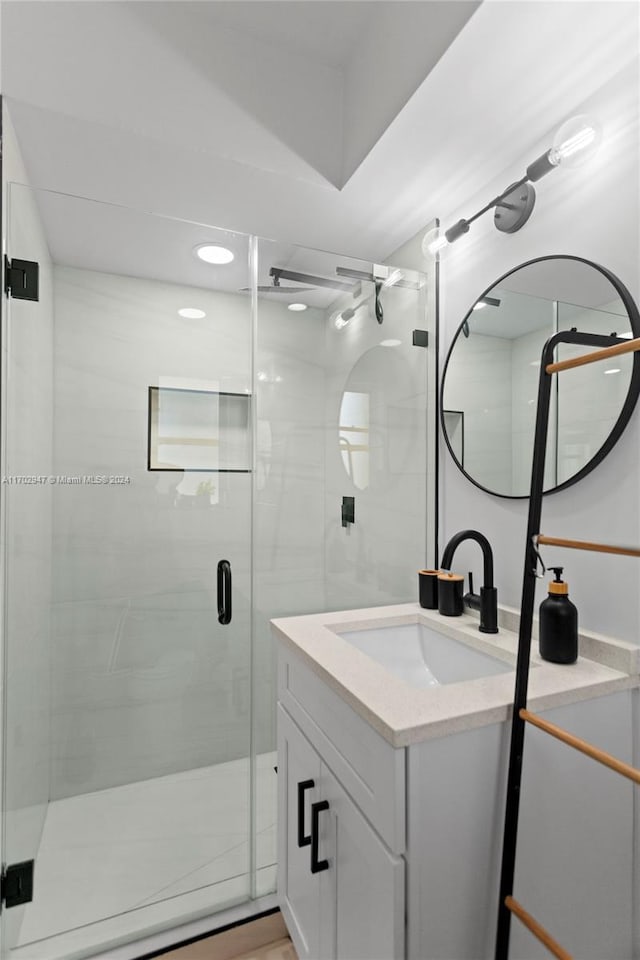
[
  {"x": 410, "y": 825},
  {"x": 354, "y": 905}
]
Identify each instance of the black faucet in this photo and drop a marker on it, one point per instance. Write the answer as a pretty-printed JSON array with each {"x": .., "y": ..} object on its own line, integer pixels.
[{"x": 487, "y": 601}]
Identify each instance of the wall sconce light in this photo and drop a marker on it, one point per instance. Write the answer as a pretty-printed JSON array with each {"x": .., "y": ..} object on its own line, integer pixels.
[{"x": 576, "y": 142}]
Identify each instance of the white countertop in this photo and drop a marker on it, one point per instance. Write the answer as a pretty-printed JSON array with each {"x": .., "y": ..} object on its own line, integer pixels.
[{"x": 403, "y": 714}]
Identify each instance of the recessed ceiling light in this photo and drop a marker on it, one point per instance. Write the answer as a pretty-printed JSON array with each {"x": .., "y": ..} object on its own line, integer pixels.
[
  {"x": 613, "y": 370},
  {"x": 296, "y": 307},
  {"x": 390, "y": 343},
  {"x": 191, "y": 313},
  {"x": 214, "y": 253}
]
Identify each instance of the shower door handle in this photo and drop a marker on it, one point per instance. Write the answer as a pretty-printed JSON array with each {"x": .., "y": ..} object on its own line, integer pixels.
[{"x": 224, "y": 592}]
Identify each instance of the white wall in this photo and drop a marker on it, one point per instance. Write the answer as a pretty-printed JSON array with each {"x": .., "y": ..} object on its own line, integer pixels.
[
  {"x": 592, "y": 212},
  {"x": 27, "y": 338},
  {"x": 582, "y": 212}
]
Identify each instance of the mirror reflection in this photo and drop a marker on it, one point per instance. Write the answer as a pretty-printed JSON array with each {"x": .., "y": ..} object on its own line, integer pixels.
[
  {"x": 376, "y": 432},
  {"x": 490, "y": 381}
]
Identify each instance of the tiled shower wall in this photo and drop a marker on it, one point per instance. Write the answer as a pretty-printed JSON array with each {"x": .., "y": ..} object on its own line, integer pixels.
[{"x": 145, "y": 681}]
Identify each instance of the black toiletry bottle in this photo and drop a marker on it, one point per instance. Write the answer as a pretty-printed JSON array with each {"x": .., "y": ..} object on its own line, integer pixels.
[{"x": 558, "y": 623}]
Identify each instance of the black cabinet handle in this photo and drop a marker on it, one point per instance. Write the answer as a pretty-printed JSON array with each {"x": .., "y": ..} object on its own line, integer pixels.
[
  {"x": 303, "y": 786},
  {"x": 317, "y": 866},
  {"x": 224, "y": 592}
]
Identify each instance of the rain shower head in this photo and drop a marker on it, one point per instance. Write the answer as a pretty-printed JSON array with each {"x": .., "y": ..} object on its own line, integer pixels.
[
  {"x": 330, "y": 282},
  {"x": 276, "y": 287},
  {"x": 278, "y": 273}
]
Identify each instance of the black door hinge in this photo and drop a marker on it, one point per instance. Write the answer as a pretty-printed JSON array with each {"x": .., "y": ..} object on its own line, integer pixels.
[
  {"x": 21, "y": 279},
  {"x": 17, "y": 883}
]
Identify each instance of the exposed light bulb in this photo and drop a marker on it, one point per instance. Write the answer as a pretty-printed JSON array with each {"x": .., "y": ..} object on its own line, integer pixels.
[
  {"x": 576, "y": 141},
  {"x": 436, "y": 245},
  {"x": 343, "y": 317},
  {"x": 394, "y": 277},
  {"x": 432, "y": 242},
  {"x": 579, "y": 141}
]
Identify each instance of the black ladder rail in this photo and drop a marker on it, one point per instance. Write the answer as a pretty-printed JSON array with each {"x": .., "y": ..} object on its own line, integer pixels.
[{"x": 514, "y": 777}]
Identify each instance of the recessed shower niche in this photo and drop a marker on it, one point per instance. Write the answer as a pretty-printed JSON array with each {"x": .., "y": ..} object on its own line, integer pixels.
[{"x": 203, "y": 430}]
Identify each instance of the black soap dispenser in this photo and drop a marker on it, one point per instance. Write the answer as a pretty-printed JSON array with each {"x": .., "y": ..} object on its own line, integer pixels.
[{"x": 558, "y": 623}]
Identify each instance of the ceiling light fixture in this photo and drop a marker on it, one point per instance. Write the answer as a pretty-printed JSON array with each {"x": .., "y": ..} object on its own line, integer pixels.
[
  {"x": 612, "y": 370},
  {"x": 390, "y": 343},
  {"x": 297, "y": 307},
  {"x": 214, "y": 253},
  {"x": 576, "y": 142},
  {"x": 191, "y": 313}
]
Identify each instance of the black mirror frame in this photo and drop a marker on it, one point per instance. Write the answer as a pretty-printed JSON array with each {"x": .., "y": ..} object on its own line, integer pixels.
[{"x": 630, "y": 400}]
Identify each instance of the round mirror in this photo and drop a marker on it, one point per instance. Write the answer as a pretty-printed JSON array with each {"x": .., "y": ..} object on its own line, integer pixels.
[{"x": 490, "y": 380}]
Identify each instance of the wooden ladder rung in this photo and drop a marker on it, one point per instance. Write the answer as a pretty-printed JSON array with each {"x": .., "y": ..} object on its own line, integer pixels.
[
  {"x": 539, "y": 932},
  {"x": 630, "y": 346},
  {"x": 625, "y": 769},
  {"x": 587, "y": 545}
]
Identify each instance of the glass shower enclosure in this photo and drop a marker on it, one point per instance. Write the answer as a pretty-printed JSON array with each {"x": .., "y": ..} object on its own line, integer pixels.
[{"x": 176, "y": 446}]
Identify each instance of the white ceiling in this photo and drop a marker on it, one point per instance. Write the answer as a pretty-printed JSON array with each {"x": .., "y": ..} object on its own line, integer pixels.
[
  {"x": 337, "y": 125},
  {"x": 328, "y": 34}
]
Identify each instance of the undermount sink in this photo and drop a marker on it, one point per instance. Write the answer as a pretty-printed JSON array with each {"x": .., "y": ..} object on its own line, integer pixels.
[{"x": 423, "y": 657}]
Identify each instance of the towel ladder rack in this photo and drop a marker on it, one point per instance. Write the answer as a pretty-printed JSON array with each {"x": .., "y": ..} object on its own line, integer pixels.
[
  {"x": 587, "y": 545},
  {"x": 610, "y": 346}
]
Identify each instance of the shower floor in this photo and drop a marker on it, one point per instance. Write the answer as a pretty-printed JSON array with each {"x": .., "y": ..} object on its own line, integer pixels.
[{"x": 135, "y": 857}]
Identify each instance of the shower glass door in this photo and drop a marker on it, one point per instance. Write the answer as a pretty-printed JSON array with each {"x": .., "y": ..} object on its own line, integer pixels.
[{"x": 126, "y": 478}]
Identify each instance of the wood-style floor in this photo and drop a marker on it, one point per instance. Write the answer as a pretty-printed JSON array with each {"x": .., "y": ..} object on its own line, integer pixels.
[{"x": 264, "y": 939}]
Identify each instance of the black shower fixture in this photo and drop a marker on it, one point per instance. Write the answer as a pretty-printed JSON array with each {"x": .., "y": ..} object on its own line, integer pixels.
[
  {"x": 279, "y": 273},
  {"x": 379, "y": 310}
]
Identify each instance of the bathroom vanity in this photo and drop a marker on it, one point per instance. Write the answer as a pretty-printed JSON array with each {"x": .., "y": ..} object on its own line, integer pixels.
[{"x": 392, "y": 757}]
